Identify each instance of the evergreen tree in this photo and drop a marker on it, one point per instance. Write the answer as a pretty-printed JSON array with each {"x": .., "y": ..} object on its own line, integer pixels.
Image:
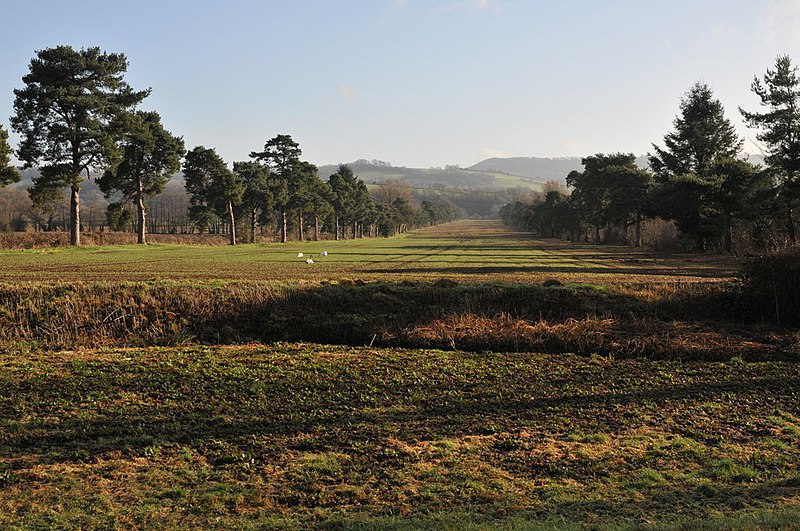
[
  {"x": 150, "y": 156},
  {"x": 302, "y": 190},
  {"x": 213, "y": 187},
  {"x": 257, "y": 198},
  {"x": 780, "y": 132},
  {"x": 64, "y": 115},
  {"x": 320, "y": 203},
  {"x": 611, "y": 191},
  {"x": 343, "y": 190},
  {"x": 363, "y": 207},
  {"x": 738, "y": 189},
  {"x": 8, "y": 174},
  {"x": 281, "y": 155},
  {"x": 685, "y": 182}
]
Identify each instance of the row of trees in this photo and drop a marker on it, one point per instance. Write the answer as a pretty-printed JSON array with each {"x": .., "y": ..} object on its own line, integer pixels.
[
  {"x": 698, "y": 179},
  {"x": 76, "y": 116}
]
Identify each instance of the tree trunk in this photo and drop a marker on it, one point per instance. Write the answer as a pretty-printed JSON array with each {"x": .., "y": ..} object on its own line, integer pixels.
[
  {"x": 283, "y": 226},
  {"x": 790, "y": 224},
  {"x": 253, "y": 214},
  {"x": 336, "y": 222},
  {"x": 727, "y": 233},
  {"x": 300, "y": 231},
  {"x": 638, "y": 230},
  {"x": 232, "y": 219},
  {"x": 75, "y": 215},
  {"x": 141, "y": 215},
  {"x": 700, "y": 243},
  {"x": 316, "y": 228}
]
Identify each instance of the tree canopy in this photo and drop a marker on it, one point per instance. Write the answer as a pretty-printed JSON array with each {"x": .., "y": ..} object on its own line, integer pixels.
[
  {"x": 779, "y": 92},
  {"x": 8, "y": 174},
  {"x": 213, "y": 187},
  {"x": 67, "y": 115},
  {"x": 150, "y": 156},
  {"x": 702, "y": 136}
]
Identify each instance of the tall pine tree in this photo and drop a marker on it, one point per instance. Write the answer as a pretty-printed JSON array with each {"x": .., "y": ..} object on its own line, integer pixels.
[
  {"x": 150, "y": 156},
  {"x": 780, "y": 132},
  {"x": 683, "y": 167},
  {"x": 281, "y": 155},
  {"x": 8, "y": 174},
  {"x": 65, "y": 115}
]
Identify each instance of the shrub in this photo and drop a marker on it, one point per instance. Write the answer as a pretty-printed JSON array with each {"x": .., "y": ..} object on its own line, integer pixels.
[{"x": 772, "y": 287}]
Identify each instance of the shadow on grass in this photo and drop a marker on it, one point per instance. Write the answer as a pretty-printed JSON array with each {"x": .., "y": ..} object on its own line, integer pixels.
[
  {"x": 247, "y": 415},
  {"x": 677, "y": 271},
  {"x": 360, "y": 313},
  {"x": 203, "y": 403}
]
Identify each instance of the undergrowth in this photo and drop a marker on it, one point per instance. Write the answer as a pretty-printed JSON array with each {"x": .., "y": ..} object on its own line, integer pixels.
[{"x": 694, "y": 321}]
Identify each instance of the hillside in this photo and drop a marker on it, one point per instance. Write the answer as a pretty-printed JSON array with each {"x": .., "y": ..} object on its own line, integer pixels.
[
  {"x": 537, "y": 168},
  {"x": 372, "y": 172}
]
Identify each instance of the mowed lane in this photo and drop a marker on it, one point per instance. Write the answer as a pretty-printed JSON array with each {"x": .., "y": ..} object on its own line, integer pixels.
[{"x": 469, "y": 251}]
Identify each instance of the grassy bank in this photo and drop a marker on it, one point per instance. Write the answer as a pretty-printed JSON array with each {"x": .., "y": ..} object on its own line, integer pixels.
[
  {"x": 310, "y": 435},
  {"x": 691, "y": 322}
]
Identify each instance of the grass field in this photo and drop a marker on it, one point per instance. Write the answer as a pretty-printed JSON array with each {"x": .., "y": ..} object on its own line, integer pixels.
[
  {"x": 639, "y": 394},
  {"x": 470, "y": 251},
  {"x": 310, "y": 435}
]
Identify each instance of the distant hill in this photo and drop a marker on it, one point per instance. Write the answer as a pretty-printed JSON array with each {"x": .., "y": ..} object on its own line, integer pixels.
[
  {"x": 543, "y": 169},
  {"x": 538, "y": 168},
  {"x": 375, "y": 171}
]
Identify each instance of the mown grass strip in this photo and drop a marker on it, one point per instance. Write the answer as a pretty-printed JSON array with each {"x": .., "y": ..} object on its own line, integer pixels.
[{"x": 469, "y": 251}]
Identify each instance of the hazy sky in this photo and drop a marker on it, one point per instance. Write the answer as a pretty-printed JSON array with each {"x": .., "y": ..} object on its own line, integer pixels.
[{"x": 413, "y": 82}]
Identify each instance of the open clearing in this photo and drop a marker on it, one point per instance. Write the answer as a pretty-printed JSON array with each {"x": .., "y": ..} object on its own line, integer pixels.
[
  {"x": 225, "y": 426},
  {"x": 470, "y": 251}
]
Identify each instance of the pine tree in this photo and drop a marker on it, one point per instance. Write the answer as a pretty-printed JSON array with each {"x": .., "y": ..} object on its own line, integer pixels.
[
  {"x": 66, "y": 116},
  {"x": 150, "y": 156},
  {"x": 685, "y": 181},
  {"x": 281, "y": 155},
  {"x": 8, "y": 174},
  {"x": 780, "y": 132},
  {"x": 213, "y": 187}
]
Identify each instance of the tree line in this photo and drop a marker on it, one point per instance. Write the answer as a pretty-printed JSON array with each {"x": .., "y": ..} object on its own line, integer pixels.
[
  {"x": 698, "y": 179},
  {"x": 77, "y": 117}
]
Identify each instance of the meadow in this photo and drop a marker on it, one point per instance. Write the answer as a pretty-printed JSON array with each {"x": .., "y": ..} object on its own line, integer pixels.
[
  {"x": 470, "y": 251},
  {"x": 459, "y": 377}
]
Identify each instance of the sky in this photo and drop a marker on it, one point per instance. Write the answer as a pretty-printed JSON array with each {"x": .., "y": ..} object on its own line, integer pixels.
[{"x": 417, "y": 83}]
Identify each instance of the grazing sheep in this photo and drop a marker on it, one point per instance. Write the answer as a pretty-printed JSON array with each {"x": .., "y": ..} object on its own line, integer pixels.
[
  {"x": 324, "y": 253},
  {"x": 310, "y": 261},
  {"x": 299, "y": 255}
]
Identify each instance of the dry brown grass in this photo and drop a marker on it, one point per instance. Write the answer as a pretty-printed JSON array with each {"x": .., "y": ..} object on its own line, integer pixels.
[
  {"x": 644, "y": 337},
  {"x": 41, "y": 240}
]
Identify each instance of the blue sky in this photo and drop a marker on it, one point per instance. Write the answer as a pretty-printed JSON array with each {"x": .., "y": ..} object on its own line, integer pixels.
[{"x": 418, "y": 83}]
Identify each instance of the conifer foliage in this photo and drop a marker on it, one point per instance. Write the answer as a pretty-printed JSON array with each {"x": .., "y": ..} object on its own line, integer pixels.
[{"x": 68, "y": 115}]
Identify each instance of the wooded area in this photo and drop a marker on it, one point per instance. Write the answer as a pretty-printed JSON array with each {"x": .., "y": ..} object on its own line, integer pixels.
[
  {"x": 77, "y": 118},
  {"x": 698, "y": 182}
]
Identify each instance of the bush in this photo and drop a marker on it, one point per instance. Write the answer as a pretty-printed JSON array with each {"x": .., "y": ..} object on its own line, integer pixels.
[{"x": 772, "y": 286}]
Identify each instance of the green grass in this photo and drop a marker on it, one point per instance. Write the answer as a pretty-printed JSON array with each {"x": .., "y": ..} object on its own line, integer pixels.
[
  {"x": 303, "y": 435},
  {"x": 469, "y": 251}
]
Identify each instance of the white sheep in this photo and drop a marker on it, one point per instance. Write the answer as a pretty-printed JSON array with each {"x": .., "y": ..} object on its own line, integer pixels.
[
  {"x": 310, "y": 261},
  {"x": 299, "y": 255},
  {"x": 324, "y": 253}
]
